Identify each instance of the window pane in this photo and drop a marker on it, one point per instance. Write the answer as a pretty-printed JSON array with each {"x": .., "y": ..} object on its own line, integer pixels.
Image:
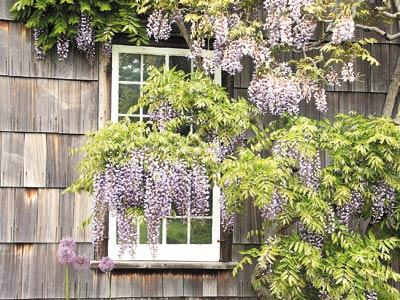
[
  {"x": 128, "y": 96},
  {"x": 180, "y": 63},
  {"x": 129, "y": 67},
  {"x": 151, "y": 60},
  {"x": 143, "y": 234},
  {"x": 177, "y": 231},
  {"x": 132, "y": 119},
  {"x": 200, "y": 231}
]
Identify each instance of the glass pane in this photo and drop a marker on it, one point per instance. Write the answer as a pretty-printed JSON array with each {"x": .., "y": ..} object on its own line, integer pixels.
[
  {"x": 129, "y": 67},
  {"x": 128, "y": 96},
  {"x": 201, "y": 231},
  {"x": 132, "y": 119},
  {"x": 151, "y": 60},
  {"x": 143, "y": 234},
  {"x": 177, "y": 231},
  {"x": 180, "y": 63}
]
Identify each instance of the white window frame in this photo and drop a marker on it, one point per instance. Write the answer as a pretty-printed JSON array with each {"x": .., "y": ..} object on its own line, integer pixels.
[{"x": 166, "y": 252}]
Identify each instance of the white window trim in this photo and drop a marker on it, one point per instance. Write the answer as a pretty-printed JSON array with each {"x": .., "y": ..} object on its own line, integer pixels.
[{"x": 166, "y": 252}]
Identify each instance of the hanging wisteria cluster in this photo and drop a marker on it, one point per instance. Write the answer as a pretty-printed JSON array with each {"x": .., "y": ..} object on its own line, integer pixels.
[
  {"x": 152, "y": 185},
  {"x": 343, "y": 31},
  {"x": 345, "y": 212},
  {"x": 281, "y": 92},
  {"x": 383, "y": 201},
  {"x": 84, "y": 41},
  {"x": 159, "y": 26},
  {"x": 85, "y": 38},
  {"x": 286, "y": 24}
]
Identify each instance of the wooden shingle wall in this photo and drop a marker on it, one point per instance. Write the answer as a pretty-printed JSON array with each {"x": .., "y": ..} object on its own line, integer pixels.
[{"x": 46, "y": 107}]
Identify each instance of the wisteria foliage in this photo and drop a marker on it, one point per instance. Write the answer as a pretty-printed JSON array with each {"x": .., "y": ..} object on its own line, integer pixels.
[
  {"x": 318, "y": 217},
  {"x": 223, "y": 33}
]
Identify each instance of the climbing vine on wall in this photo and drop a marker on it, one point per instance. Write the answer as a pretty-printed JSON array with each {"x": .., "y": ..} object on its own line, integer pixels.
[{"x": 68, "y": 24}]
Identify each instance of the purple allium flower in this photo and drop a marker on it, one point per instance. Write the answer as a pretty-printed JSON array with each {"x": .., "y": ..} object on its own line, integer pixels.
[
  {"x": 106, "y": 264},
  {"x": 66, "y": 255},
  {"x": 68, "y": 242},
  {"x": 81, "y": 263}
]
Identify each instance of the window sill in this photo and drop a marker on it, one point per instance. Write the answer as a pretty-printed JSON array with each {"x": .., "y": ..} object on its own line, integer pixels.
[{"x": 169, "y": 265}]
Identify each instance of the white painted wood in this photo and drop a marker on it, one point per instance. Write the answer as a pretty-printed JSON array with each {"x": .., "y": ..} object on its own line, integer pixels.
[{"x": 181, "y": 252}]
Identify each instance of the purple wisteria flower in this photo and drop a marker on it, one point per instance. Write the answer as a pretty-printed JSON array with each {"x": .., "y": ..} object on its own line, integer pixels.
[
  {"x": 106, "y": 264},
  {"x": 81, "y": 263}
]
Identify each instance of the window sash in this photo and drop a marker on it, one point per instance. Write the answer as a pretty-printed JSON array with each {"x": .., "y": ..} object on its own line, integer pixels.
[{"x": 174, "y": 252}]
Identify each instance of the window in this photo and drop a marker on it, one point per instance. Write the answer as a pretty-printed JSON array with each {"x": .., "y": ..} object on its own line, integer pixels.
[{"x": 182, "y": 238}]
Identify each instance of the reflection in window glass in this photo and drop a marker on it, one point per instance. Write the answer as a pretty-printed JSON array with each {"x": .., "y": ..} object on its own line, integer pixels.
[
  {"x": 182, "y": 63},
  {"x": 200, "y": 231},
  {"x": 129, "y": 67},
  {"x": 128, "y": 95},
  {"x": 177, "y": 231},
  {"x": 151, "y": 60}
]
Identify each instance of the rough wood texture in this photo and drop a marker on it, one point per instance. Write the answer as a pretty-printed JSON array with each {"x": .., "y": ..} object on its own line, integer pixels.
[
  {"x": 45, "y": 107},
  {"x": 5, "y": 6}
]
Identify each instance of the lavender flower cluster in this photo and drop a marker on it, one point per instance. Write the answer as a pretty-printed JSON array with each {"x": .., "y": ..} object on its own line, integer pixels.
[
  {"x": 151, "y": 184},
  {"x": 281, "y": 92},
  {"x": 274, "y": 207},
  {"x": 227, "y": 218},
  {"x": 85, "y": 38},
  {"x": 371, "y": 295},
  {"x": 345, "y": 212},
  {"x": 343, "y": 31},
  {"x": 159, "y": 26},
  {"x": 286, "y": 24},
  {"x": 163, "y": 114},
  {"x": 63, "y": 47},
  {"x": 383, "y": 201},
  {"x": 314, "y": 239},
  {"x": 106, "y": 264},
  {"x": 39, "y": 52},
  {"x": 66, "y": 255}
]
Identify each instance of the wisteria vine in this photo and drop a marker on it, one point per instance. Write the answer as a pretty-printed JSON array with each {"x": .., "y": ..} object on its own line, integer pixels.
[{"x": 150, "y": 184}]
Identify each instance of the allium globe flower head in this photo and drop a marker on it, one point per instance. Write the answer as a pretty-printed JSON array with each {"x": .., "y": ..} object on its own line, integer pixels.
[
  {"x": 66, "y": 255},
  {"x": 81, "y": 263},
  {"x": 106, "y": 264},
  {"x": 68, "y": 242}
]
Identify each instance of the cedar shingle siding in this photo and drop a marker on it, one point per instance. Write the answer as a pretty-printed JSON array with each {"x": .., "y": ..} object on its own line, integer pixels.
[{"x": 45, "y": 109}]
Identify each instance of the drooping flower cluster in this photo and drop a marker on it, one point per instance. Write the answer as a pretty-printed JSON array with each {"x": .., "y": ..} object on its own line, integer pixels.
[
  {"x": 281, "y": 92},
  {"x": 274, "y": 207},
  {"x": 371, "y": 295},
  {"x": 151, "y": 184},
  {"x": 63, "y": 47},
  {"x": 315, "y": 239},
  {"x": 159, "y": 26},
  {"x": 343, "y": 31},
  {"x": 39, "y": 52},
  {"x": 275, "y": 94},
  {"x": 345, "y": 212},
  {"x": 163, "y": 114},
  {"x": 225, "y": 149},
  {"x": 383, "y": 201},
  {"x": 85, "y": 38},
  {"x": 347, "y": 72},
  {"x": 286, "y": 24},
  {"x": 227, "y": 218}
]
